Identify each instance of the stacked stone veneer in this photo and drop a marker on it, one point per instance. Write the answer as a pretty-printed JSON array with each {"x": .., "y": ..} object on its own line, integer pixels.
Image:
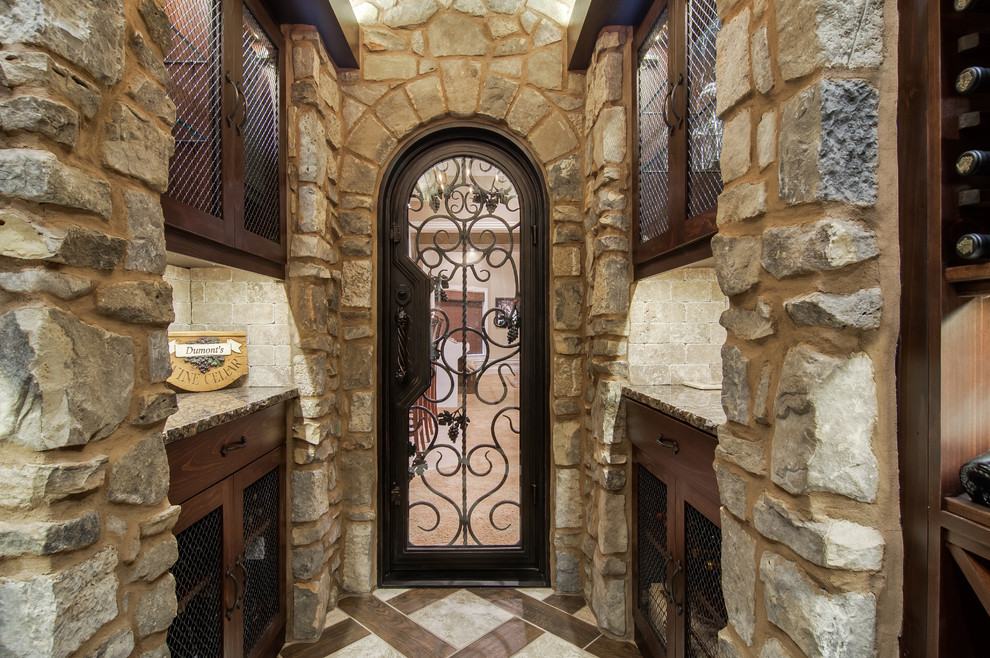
[
  {"x": 605, "y": 490},
  {"x": 674, "y": 330},
  {"x": 499, "y": 63},
  {"x": 806, "y": 252},
  {"x": 313, "y": 284},
  {"x": 227, "y": 299},
  {"x": 85, "y": 139}
]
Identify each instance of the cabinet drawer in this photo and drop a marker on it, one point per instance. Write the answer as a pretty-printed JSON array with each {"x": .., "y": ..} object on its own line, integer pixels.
[
  {"x": 695, "y": 449},
  {"x": 201, "y": 460}
]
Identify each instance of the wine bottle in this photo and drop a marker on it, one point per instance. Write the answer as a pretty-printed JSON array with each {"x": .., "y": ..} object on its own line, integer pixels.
[
  {"x": 973, "y": 79},
  {"x": 973, "y": 246},
  {"x": 964, "y": 5},
  {"x": 972, "y": 162}
]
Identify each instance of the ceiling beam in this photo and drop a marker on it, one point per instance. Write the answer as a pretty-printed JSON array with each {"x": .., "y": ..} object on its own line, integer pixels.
[
  {"x": 590, "y": 16},
  {"x": 333, "y": 19}
]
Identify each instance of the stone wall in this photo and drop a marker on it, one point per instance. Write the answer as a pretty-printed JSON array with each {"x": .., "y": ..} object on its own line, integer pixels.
[
  {"x": 314, "y": 288},
  {"x": 502, "y": 64},
  {"x": 807, "y": 253},
  {"x": 227, "y": 299},
  {"x": 674, "y": 330},
  {"x": 605, "y": 491},
  {"x": 85, "y": 541}
]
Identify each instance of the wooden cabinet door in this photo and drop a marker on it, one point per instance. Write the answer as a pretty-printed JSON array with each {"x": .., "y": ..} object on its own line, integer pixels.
[
  {"x": 679, "y": 136},
  {"x": 205, "y": 584},
  {"x": 226, "y": 198},
  {"x": 259, "y": 554}
]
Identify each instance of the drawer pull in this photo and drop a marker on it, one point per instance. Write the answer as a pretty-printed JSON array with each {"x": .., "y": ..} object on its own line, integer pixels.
[
  {"x": 670, "y": 444},
  {"x": 230, "y": 447}
]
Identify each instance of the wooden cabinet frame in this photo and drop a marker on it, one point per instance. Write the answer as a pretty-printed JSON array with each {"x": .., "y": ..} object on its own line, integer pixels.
[
  {"x": 942, "y": 381},
  {"x": 224, "y": 239}
]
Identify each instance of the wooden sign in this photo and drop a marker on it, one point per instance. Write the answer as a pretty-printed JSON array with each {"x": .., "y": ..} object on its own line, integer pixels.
[{"x": 206, "y": 360}]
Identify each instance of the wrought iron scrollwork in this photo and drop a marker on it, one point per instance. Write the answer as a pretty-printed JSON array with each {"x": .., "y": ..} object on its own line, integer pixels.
[{"x": 464, "y": 233}]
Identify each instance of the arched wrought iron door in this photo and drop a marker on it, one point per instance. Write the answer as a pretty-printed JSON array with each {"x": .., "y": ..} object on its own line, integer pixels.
[{"x": 464, "y": 363}]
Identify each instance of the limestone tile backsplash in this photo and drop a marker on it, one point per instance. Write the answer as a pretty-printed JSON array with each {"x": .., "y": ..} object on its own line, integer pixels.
[
  {"x": 226, "y": 299},
  {"x": 674, "y": 333}
]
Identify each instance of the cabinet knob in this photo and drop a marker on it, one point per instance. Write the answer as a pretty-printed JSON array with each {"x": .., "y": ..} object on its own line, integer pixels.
[{"x": 669, "y": 444}]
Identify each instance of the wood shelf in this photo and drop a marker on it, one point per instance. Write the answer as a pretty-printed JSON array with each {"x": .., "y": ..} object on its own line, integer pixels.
[{"x": 969, "y": 280}]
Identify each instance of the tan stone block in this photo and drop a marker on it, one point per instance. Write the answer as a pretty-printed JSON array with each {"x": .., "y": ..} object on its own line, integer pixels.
[
  {"x": 528, "y": 109},
  {"x": 370, "y": 139},
  {"x": 766, "y": 139},
  {"x": 732, "y": 64},
  {"x": 496, "y": 95},
  {"x": 426, "y": 97},
  {"x": 462, "y": 80},
  {"x": 396, "y": 112},
  {"x": 566, "y": 261},
  {"x": 736, "y": 146},
  {"x": 389, "y": 67},
  {"x": 510, "y": 66},
  {"x": 545, "y": 68},
  {"x": 553, "y": 138}
]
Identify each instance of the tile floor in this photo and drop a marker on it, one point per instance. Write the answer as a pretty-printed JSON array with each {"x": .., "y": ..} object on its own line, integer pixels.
[{"x": 487, "y": 623}]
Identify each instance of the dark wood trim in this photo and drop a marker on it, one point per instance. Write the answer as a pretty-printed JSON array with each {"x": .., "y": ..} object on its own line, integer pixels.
[
  {"x": 333, "y": 19},
  {"x": 529, "y": 564},
  {"x": 588, "y": 17}
]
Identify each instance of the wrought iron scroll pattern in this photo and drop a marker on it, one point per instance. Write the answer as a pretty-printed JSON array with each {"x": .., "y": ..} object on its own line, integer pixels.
[{"x": 463, "y": 232}]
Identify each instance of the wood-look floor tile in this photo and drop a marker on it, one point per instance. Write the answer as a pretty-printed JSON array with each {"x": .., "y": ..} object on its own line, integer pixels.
[
  {"x": 569, "y": 603},
  {"x": 502, "y": 642},
  {"x": 605, "y": 647},
  {"x": 415, "y": 599},
  {"x": 395, "y": 628},
  {"x": 538, "y": 613},
  {"x": 334, "y": 638}
]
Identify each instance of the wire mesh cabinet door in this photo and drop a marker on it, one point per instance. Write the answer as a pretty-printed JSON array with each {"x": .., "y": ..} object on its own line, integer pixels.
[
  {"x": 225, "y": 198},
  {"x": 258, "y": 563},
  {"x": 679, "y": 135}
]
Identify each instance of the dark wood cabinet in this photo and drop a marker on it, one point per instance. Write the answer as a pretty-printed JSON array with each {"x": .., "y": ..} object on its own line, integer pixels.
[
  {"x": 679, "y": 136},
  {"x": 230, "y": 575},
  {"x": 677, "y": 540},
  {"x": 226, "y": 195}
]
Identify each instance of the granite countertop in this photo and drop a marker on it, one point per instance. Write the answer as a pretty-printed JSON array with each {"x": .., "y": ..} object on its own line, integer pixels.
[
  {"x": 199, "y": 412},
  {"x": 700, "y": 408}
]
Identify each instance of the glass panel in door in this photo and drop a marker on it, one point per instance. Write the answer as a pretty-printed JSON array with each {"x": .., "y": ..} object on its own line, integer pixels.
[{"x": 463, "y": 467}]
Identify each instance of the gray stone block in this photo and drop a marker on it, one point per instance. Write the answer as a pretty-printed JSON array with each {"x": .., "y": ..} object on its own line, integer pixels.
[
  {"x": 860, "y": 310},
  {"x": 820, "y": 623},
  {"x": 739, "y": 577},
  {"x": 134, "y": 146},
  {"x": 828, "y": 542},
  {"x": 735, "y": 385},
  {"x": 67, "y": 383},
  {"x": 829, "y": 143},
  {"x": 54, "y": 614},
  {"x": 140, "y": 476},
  {"x": 40, "y": 115},
  {"x": 49, "y": 537},
  {"x": 39, "y": 176},
  {"x": 60, "y": 26},
  {"x": 826, "y": 413},
  {"x": 147, "y": 302},
  {"x": 819, "y": 247}
]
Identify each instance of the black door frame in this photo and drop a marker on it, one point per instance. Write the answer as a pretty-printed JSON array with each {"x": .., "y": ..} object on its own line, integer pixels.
[{"x": 528, "y": 566}]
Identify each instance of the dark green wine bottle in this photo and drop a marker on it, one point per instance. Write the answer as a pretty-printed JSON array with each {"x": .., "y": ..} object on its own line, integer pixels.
[{"x": 972, "y": 162}]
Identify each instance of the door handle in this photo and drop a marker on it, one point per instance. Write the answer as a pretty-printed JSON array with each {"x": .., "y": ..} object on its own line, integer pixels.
[
  {"x": 237, "y": 100},
  {"x": 237, "y": 597},
  {"x": 244, "y": 107},
  {"x": 670, "y": 587},
  {"x": 671, "y": 104},
  {"x": 402, "y": 322},
  {"x": 239, "y": 601}
]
